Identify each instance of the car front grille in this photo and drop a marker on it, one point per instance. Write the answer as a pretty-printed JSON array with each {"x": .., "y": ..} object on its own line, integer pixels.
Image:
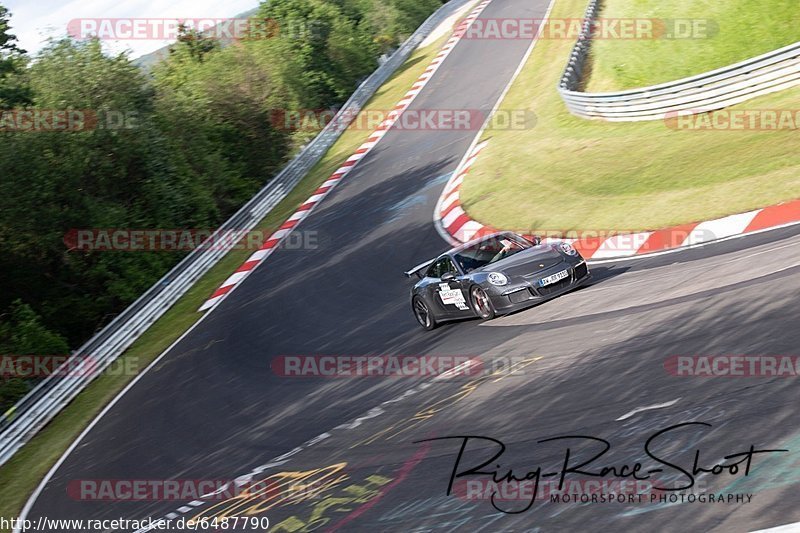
[
  {"x": 555, "y": 287},
  {"x": 577, "y": 273}
]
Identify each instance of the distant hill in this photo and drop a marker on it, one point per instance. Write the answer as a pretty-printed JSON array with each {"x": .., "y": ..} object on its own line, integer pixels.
[{"x": 148, "y": 60}]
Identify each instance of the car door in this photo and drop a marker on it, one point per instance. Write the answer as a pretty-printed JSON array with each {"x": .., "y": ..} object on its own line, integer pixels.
[
  {"x": 430, "y": 289},
  {"x": 447, "y": 296},
  {"x": 462, "y": 283}
]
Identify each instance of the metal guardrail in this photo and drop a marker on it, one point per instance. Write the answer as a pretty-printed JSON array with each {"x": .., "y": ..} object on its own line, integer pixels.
[
  {"x": 717, "y": 89},
  {"x": 53, "y": 393}
]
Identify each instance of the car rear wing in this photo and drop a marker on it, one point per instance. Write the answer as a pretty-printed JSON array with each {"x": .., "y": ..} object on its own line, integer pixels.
[{"x": 419, "y": 269}]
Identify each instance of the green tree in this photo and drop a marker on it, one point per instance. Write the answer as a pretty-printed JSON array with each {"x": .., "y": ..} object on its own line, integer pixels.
[
  {"x": 335, "y": 52},
  {"x": 182, "y": 147},
  {"x": 118, "y": 174},
  {"x": 195, "y": 42},
  {"x": 215, "y": 111},
  {"x": 22, "y": 333},
  {"x": 13, "y": 90}
]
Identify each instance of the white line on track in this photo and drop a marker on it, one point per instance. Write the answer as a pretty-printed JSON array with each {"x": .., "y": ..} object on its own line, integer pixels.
[
  {"x": 788, "y": 528},
  {"x": 647, "y": 408},
  {"x": 682, "y": 248},
  {"x": 700, "y": 268},
  {"x": 439, "y": 228},
  {"x": 32, "y": 499}
]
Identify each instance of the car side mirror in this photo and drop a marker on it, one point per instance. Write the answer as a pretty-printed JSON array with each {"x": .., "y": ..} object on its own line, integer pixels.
[
  {"x": 536, "y": 240},
  {"x": 447, "y": 276}
]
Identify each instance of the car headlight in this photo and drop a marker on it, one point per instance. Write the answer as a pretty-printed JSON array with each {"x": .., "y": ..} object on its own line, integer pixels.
[
  {"x": 496, "y": 278},
  {"x": 567, "y": 248}
]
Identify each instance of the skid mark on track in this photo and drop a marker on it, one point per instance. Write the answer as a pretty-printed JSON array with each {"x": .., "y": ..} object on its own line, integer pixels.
[{"x": 432, "y": 408}]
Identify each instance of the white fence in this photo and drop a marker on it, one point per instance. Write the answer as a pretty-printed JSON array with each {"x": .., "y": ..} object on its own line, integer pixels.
[{"x": 717, "y": 89}]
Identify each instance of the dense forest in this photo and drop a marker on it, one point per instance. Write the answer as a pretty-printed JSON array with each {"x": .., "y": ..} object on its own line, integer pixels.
[{"x": 195, "y": 142}]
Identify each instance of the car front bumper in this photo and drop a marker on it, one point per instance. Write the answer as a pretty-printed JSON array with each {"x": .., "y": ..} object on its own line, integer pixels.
[{"x": 522, "y": 294}]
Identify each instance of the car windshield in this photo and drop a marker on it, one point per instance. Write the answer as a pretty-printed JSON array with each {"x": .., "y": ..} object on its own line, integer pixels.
[{"x": 490, "y": 250}]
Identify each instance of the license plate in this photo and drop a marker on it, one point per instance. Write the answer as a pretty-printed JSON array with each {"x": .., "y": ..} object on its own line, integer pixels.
[{"x": 549, "y": 280}]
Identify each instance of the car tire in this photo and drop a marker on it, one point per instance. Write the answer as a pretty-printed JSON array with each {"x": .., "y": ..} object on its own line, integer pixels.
[
  {"x": 423, "y": 314},
  {"x": 481, "y": 303}
]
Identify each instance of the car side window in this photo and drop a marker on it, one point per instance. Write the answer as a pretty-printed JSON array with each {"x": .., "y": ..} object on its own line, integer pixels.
[
  {"x": 448, "y": 266},
  {"x": 440, "y": 267},
  {"x": 433, "y": 270}
]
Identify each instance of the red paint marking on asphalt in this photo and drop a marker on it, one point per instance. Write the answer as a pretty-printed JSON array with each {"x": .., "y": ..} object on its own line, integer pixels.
[{"x": 402, "y": 474}]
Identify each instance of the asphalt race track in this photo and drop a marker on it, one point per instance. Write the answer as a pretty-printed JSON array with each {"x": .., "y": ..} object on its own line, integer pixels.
[{"x": 213, "y": 409}]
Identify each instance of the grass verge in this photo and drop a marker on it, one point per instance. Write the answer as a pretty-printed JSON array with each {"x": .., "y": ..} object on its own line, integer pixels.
[
  {"x": 20, "y": 476},
  {"x": 719, "y": 33},
  {"x": 567, "y": 173}
]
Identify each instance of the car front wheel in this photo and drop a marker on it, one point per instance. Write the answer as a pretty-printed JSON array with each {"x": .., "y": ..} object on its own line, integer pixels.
[
  {"x": 481, "y": 303},
  {"x": 423, "y": 313}
]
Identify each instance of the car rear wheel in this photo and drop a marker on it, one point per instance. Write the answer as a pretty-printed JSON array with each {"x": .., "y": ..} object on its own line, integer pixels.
[
  {"x": 481, "y": 303},
  {"x": 423, "y": 313}
]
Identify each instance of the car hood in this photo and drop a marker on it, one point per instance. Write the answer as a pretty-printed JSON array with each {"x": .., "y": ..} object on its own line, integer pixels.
[{"x": 526, "y": 262}]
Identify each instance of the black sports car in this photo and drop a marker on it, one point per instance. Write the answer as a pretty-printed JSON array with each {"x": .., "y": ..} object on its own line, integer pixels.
[{"x": 493, "y": 275}]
